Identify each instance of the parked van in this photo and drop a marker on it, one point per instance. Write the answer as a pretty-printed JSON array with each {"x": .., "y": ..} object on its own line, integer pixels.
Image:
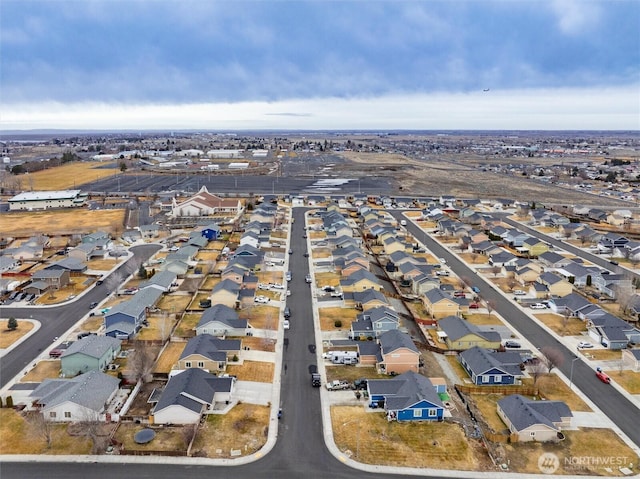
[{"x": 287, "y": 312}]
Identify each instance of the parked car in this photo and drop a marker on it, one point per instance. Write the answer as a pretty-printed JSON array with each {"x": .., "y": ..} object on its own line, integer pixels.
[
  {"x": 459, "y": 294},
  {"x": 261, "y": 299},
  {"x": 474, "y": 306},
  {"x": 519, "y": 292},
  {"x": 475, "y": 289},
  {"x": 285, "y": 324},
  {"x": 512, "y": 344},
  {"x": 538, "y": 306},
  {"x": 584, "y": 345},
  {"x": 307, "y": 278},
  {"x": 290, "y": 251},
  {"x": 442, "y": 260}
]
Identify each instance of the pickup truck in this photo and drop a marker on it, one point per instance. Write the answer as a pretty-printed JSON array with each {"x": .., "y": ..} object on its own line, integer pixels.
[{"x": 337, "y": 385}]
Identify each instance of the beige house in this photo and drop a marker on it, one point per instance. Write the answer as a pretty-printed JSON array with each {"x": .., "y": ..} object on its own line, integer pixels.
[
  {"x": 439, "y": 305},
  {"x": 360, "y": 280},
  {"x": 209, "y": 353},
  {"x": 631, "y": 359},
  {"x": 531, "y": 420}
]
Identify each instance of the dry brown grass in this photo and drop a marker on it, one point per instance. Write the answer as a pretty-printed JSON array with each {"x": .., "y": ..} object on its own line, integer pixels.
[
  {"x": 169, "y": 357},
  {"x": 487, "y": 405},
  {"x": 92, "y": 323},
  {"x": 17, "y": 436},
  {"x": 259, "y": 344},
  {"x": 327, "y": 279},
  {"x": 351, "y": 373},
  {"x": 45, "y": 369},
  {"x": 418, "y": 310},
  {"x": 481, "y": 319},
  {"x": 585, "y": 443},
  {"x": 328, "y": 317},
  {"x": 102, "y": 264},
  {"x": 174, "y": 302},
  {"x": 244, "y": 428},
  {"x": 207, "y": 255},
  {"x": 7, "y": 338},
  {"x": 557, "y": 322},
  {"x": 554, "y": 389},
  {"x": 159, "y": 327},
  {"x": 252, "y": 371},
  {"x": 472, "y": 258},
  {"x": 185, "y": 326},
  {"x": 70, "y": 175},
  {"x": 629, "y": 380},
  {"x": 167, "y": 439},
  {"x": 369, "y": 438},
  {"x": 74, "y": 288},
  {"x": 261, "y": 316},
  {"x": 457, "y": 368},
  {"x": 57, "y": 222},
  {"x": 602, "y": 354},
  {"x": 210, "y": 282}
]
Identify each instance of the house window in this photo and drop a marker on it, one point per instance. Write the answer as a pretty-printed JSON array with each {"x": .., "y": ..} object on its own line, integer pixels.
[
  {"x": 52, "y": 414},
  {"x": 187, "y": 364},
  {"x": 433, "y": 413},
  {"x": 201, "y": 364},
  {"x": 417, "y": 413},
  {"x": 67, "y": 414},
  {"x": 497, "y": 378},
  {"x": 485, "y": 379},
  {"x": 532, "y": 433}
]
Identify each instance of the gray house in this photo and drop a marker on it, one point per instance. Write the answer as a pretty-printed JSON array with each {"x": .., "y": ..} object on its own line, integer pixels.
[
  {"x": 125, "y": 319},
  {"x": 91, "y": 353},
  {"x": 531, "y": 420},
  {"x": 374, "y": 322},
  {"x": 221, "y": 320}
]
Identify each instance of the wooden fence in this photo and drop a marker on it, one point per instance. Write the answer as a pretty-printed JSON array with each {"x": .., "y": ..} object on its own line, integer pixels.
[{"x": 496, "y": 389}]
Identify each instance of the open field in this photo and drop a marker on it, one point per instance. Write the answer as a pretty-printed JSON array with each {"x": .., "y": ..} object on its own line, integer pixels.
[
  {"x": 244, "y": 428},
  {"x": 252, "y": 371},
  {"x": 70, "y": 175},
  {"x": 328, "y": 317},
  {"x": 7, "y": 338},
  {"x": 64, "y": 221},
  {"x": 371, "y": 439}
]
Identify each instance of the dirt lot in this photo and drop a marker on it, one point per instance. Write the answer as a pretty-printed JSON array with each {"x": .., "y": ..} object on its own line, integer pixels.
[{"x": 70, "y": 176}]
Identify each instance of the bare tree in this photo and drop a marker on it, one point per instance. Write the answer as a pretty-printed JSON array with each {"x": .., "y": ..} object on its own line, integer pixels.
[
  {"x": 496, "y": 270},
  {"x": 141, "y": 362},
  {"x": 551, "y": 357},
  {"x": 41, "y": 425},
  {"x": 490, "y": 305},
  {"x": 474, "y": 257},
  {"x": 114, "y": 281},
  {"x": 189, "y": 432},
  {"x": 536, "y": 370},
  {"x": 625, "y": 294},
  {"x": 511, "y": 283},
  {"x": 91, "y": 427}
]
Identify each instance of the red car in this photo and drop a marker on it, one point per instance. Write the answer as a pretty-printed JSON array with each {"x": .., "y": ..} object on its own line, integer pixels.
[
  {"x": 474, "y": 306},
  {"x": 602, "y": 376}
]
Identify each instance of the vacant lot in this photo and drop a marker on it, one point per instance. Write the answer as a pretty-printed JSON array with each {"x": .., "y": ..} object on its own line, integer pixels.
[
  {"x": 56, "y": 222},
  {"x": 561, "y": 325},
  {"x": 483, "y": 319},
  {"x": 169, "y": 357},
  {"x": 259, "y": 344},
  {"x": 261, "y": 317},
  {"x": 7, "y": 338},
  {"x": 553, "y": 388},
  {"x": 70, "y": 175},
  {"x": 629, "y": 380},
  {"x": 329, "y": 316},
  {"x": 244, "y": 428},
  {"x": 371, "y": 439},
  {"x": 252, "y": 371},
  {"x": 351, "y": 373},
  {"x": 327, "y": 279}
]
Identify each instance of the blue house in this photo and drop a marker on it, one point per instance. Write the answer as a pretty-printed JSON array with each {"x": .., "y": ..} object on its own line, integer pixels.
[
  {"x": 211, "y": 232},
  {"x": 486, "y": 367},
  {"x": 125, "y": 319},
  {"x": 408, "y": 397}
]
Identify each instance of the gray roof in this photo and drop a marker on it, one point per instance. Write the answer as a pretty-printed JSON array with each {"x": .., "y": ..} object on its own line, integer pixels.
[
  {"x": 48, "y": 273},
  {"x": 210, "y": 347},
  {"x": 404, "y": 391},
  {"x": 481, "y": 360},
  {"x": 121, "y": 327},
  {"x": 192, "y": 389},
  {"x": 143, "y": 299},
  {"x": 91, "y": 390},
  {"x": 223, "y": 314},
  {"x": 226, "y": 285},
  {"x": 394, "y": 339},
  {"x": 524, "y": 413},
  {"x": 367, "y": 295},
  {"x": 92, "y": 346},
  {"x": 367, "y": 348},
  {"x": 163, "y": 279},
  {"x": 71, "y": 264},
  {"x": 456, "y": 328}
]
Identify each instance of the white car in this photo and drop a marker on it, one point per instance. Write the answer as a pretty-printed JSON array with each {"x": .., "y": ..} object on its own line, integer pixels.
[
  {"x": 584, "y": 345},
  {"x": 538, "y": 306},
  {"x": 261, "y": 299},
  {"x": 519, "y": 292},
  {"x": 288, "y": 292},
  {"x": 285, "y": 324}
]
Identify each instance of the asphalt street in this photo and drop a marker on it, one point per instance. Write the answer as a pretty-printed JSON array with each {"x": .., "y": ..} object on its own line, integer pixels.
[{"x": 615, "y": 405}]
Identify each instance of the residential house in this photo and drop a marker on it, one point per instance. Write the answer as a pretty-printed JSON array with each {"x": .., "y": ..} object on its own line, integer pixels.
[
  {"x": 374, "y": 322},
  {"x": 209, "y": 352},
  {"x": 631, "y": 359},
  {"x": 225, "y": 292},
  {"x": 91, "y": 353},
  {"x": 486, "y": 367},
  {"x": 190, "y": 394},
  {"x": 582, "y": 275},
  {"x": 439, "y": 305},
  {"x": 408, "y": 397},
  {"x": 423, "y": 283},
  {"x": 51, "y": 278},
  {"x": 534, "y": 247},
  {"x": 211, "y": 232},
  {"x": 570, "y": 304},
  {"x": 365, "y": 300},
  {"x": 221, "y": 320},
  {"x": 551, "y": 259},
  {"x": 460, "y": 334},
  {"x": 162, "y": 281},
  {"x": 555, "y": 285},
  {"x": 398, "y": 353},
  {"x": 78, "y": 399},
  {"x": 125, "y": 319},
  {"x": 74, "y": 266},
  {"x": 532, "y": 420},
  {"x": 360, "y": 280}
]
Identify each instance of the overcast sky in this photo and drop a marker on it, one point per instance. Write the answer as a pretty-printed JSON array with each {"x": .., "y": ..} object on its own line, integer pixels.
[{"x": 388, "y": 64}]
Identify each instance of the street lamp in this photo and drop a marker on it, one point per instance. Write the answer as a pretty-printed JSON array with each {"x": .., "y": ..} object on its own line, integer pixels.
[{"x": 571, "y": 373}]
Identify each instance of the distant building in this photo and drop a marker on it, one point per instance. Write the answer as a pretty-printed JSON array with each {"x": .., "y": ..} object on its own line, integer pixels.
[{"x": 43, "y": 200}]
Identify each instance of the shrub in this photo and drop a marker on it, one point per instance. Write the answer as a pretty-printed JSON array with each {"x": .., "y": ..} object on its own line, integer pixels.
[
  {"x": 338, "y": 323},
  {"x": 234, "y": 358},
  {"x": 9, "y": 401},
  {"x": 12, "y": 324}
]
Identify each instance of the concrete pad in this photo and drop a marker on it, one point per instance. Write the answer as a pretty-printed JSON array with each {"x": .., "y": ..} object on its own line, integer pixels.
[
  {"x": 253, "y": 392},
  {"x": 590, "y": 419}
]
